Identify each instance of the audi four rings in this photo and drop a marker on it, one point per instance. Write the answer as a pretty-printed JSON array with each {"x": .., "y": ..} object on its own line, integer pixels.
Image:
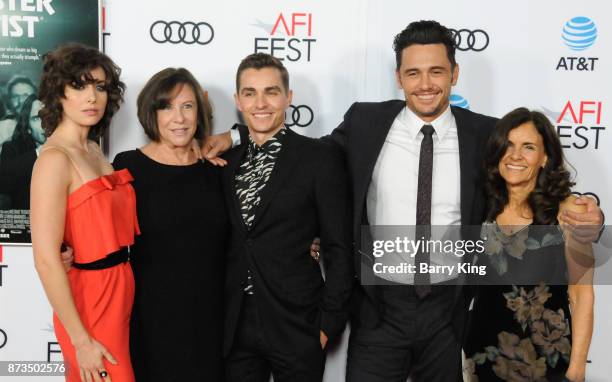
[
  {"x": 465, "y": 39},
  {"x": 176, "y": 32},
  {"x": 298, "y": 116}
]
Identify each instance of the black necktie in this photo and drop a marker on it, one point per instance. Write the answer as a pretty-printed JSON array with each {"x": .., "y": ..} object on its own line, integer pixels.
[{"x": 422, "y": 282}]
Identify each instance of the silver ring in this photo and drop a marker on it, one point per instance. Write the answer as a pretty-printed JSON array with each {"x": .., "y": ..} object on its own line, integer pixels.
[{"x": 103, "y": 374}]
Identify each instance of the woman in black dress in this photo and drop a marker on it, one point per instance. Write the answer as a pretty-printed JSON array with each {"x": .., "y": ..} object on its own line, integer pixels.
[
  {"x": 178, "y": 260},
  {"x": 521, "y": 328}
]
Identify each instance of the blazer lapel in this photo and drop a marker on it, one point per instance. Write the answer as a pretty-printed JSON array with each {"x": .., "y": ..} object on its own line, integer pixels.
[
  {"x": 287, "y": 159},
  {"x": 468, "y": 168},
  {"x": 372, "y": 142}
]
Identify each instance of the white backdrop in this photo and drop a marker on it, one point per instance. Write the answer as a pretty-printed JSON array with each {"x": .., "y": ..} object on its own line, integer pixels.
[{"x": 345, "y": 55}]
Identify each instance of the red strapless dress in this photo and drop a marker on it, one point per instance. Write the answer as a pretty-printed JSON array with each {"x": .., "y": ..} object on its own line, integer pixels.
[{"x": 100, "y": 219}]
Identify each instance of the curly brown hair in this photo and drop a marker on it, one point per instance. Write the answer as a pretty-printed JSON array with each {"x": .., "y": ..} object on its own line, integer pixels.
[
  {"x": 71, "y": 65},
  {"x": 553, "y": 183}
]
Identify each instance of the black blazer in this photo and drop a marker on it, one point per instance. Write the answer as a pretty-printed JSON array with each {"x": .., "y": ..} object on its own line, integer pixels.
[
  {"x": 306, "y": 197},
  {"x": 361, "y": 135}
]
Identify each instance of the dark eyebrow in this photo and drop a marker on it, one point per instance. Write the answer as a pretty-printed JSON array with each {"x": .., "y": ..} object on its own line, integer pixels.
[
  {"x": 247, "y": 90},
  {"x": 276, "y": 87}
]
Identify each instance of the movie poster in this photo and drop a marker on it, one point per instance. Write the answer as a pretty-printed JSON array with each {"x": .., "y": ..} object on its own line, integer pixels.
[{"x": 29, "y": 29}]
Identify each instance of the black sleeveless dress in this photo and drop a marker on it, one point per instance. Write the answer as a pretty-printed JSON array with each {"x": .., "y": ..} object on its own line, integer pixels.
[
  {"x": 520, "y": 323},
  {"x": 176, "y": 329}
]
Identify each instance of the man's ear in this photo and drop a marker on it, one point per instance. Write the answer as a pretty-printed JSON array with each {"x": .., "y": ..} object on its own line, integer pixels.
[
  {"x": 398, "y": 80},
  {"x": 455, "y": 75},
  {"x": 237, "y": 101}
]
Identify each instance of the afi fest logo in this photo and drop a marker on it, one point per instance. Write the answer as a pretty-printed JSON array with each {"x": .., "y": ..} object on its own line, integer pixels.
[
  {"x": 579, "y": 124},
  {"x": 2, "y": 266},
  {"x": 578, "y": 34},
  {"x": 290, "y": 37}
]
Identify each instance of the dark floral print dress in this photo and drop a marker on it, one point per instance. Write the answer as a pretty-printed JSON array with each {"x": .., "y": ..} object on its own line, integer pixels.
[{"x": 520, "y": 323}]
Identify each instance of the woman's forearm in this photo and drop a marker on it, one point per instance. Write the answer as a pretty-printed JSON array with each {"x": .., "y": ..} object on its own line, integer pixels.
[
  {"x": 581, "y": 305},
  {"x": 56, "y": 286}
]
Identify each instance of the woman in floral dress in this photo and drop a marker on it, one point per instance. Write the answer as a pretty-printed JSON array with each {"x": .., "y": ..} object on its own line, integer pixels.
[{"x": 521, "y": 328}]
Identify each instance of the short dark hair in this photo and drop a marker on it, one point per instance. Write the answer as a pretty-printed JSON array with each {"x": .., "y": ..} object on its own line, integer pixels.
[
  {"x": 70, "y": 65},
  {"x": 553, "y": 183},
  {"x": 260, "y": 61},
  {"x": 424, "y": 32},
  {"x": 18, "y": 79},
  {"x": 157, "y": 94}
]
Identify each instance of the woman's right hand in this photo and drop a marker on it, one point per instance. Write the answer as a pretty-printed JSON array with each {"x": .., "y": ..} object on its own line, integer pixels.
[{"x": 89, "y": 354}]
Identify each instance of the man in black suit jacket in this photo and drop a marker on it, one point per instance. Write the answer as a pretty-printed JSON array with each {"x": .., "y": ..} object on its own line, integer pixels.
[
  {"x": 399, "y": 329},
  {"x": 282, "y": 191}
]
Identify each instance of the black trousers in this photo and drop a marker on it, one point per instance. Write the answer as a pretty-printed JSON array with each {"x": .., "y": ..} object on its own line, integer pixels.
[
  {"x": 414, "y": 339},
  {"x": 252, "y": 359}
]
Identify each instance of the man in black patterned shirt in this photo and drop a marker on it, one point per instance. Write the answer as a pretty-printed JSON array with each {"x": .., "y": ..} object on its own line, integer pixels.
[{"x": 283, "y": 190}]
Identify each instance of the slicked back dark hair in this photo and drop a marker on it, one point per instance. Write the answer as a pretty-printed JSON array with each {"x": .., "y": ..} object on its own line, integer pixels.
[
  {"x": 553, "y": 183},
  {"x": 424, "y": 32},
  {"x": 158, "y": 93},
  {"x": 260, "y": 61},
  {"x": 71, "y": 65}
]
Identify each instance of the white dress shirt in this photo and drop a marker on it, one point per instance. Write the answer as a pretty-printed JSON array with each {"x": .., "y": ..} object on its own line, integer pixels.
[{"x": 392, "y": 194}]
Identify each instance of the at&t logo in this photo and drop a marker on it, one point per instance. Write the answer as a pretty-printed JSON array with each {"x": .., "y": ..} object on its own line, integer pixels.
[
  {"x": 459, "y": 101},
  {"x": 578, "y": 34},
  {"x": 176, "y": 32},
  {"x": 291, "y": 47},
  {"x": 583, "y": 130}
]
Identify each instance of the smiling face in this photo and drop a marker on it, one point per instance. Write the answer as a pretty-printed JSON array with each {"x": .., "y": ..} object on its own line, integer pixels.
[
  {"x": 84, "y": 105},
  {"x": 524, "y": 157},
  {"x": 262, "y": 99},
  {"x": 426, "y": 77},
  {"x": 177, "y": 121}
]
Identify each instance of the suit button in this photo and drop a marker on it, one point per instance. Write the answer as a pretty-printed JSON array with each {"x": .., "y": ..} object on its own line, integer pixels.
[{"x": 249, "y": 242}]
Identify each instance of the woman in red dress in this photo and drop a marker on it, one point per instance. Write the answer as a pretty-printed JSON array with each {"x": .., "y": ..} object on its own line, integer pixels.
[{"x": 77, "y": 198}]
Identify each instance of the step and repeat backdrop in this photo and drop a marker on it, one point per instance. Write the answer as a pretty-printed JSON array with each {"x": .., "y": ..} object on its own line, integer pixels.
[{"x": 553, "y": 56}]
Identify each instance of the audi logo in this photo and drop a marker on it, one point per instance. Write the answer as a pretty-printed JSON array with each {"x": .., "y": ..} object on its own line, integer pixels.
[
  {"x": 176, "y": 32},
  {"x": 300, "y": 116},
  {"x": 465, "y": 39},
  {"x": 587, "y": 194},
  {"x": 3, "y": 342}
]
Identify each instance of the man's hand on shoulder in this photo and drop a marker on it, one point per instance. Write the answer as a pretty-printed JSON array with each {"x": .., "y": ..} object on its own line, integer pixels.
[
  {"x": 214, "y": 146},
  {"x": 584, "y": 218}
]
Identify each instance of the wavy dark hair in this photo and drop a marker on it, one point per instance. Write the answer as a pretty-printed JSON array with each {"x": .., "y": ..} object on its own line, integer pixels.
[
  {"x": 22, "y": 136},
  {"x": 157, "y": 94},
  {"x": 553, "y": 184},
  {"x": 424, "y": 32},
  {"x": 70, "y": 65}
]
